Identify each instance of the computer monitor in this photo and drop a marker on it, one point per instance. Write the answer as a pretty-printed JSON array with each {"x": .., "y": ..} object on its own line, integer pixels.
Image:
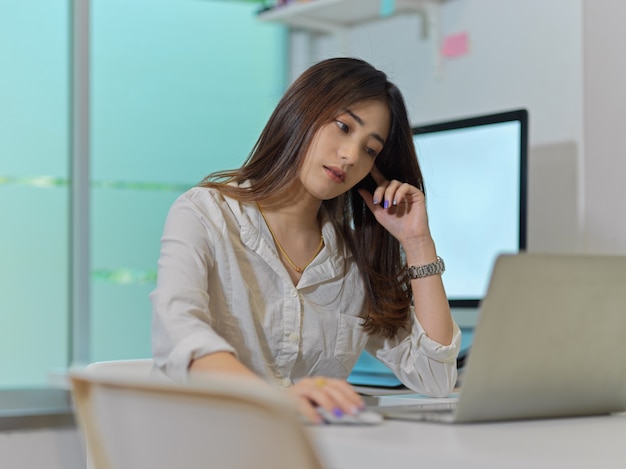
[{"x": 475, "y": 175}]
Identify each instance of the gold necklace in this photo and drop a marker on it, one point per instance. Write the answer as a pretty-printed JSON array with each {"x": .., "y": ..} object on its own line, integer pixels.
[{"x": 282, "y": 250}]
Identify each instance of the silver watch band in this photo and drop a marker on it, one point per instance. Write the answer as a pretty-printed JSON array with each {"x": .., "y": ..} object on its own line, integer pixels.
[{"x": 434, "y": 268}]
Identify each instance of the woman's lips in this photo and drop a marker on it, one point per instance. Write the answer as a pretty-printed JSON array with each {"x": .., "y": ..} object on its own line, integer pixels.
[{"x": 335, "y": 174}]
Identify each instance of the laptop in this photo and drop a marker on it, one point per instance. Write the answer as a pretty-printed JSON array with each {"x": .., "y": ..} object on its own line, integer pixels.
[{"x": 550, "y": 342}]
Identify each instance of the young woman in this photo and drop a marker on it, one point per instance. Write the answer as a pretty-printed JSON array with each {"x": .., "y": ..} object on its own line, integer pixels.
[{"x": 287, "y": 268}]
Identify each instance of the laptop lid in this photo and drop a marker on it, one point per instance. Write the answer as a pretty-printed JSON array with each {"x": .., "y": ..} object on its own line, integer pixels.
[{"x": 551, "y": 340}]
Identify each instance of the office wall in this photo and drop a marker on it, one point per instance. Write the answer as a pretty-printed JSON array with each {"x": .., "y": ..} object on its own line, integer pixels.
[
  {"x": 521, "y": 54},
  {"x": 605, "y": 119}
]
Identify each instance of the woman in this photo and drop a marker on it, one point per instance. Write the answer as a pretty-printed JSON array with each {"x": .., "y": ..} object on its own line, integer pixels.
[{"x": 290, "y": 266}]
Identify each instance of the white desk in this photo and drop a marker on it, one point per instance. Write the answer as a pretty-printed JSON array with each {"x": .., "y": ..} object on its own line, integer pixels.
[{"x": 580, "y": 443}]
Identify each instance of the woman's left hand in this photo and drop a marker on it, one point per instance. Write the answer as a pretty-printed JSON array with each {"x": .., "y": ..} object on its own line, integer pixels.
[{"x": 399, "y": 207}]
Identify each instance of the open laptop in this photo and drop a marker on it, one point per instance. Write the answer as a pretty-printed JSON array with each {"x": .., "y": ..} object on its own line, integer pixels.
[{"x": 550, "y": 342}]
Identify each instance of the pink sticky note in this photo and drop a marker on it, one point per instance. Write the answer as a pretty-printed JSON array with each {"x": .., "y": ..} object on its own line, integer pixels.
[{"x": 455, "y": 45}]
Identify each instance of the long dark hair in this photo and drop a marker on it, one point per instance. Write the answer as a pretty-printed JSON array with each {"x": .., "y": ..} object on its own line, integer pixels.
[{"x": 314, "y": 99}]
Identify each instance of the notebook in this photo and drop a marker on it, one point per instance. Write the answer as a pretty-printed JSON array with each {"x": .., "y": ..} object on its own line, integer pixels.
[{"x": 550, "y": 342}]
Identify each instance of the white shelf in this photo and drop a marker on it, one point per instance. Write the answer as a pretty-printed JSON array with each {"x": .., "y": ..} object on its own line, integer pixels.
[{"x": 332, "y": 16}]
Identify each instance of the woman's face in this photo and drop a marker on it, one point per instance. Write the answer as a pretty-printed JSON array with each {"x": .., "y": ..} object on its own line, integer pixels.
[{"x": 343, "y": 151}]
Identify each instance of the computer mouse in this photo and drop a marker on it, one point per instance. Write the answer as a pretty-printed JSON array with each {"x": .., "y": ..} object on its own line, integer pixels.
[{"x": 363, "y": 417}]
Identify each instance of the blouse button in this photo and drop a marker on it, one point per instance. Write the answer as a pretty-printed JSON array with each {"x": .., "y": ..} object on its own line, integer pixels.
[{"x": 293, "y": 337}]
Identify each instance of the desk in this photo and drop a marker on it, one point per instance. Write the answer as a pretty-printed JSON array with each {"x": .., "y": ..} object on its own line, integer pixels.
[{"x": 574, "y": 443}]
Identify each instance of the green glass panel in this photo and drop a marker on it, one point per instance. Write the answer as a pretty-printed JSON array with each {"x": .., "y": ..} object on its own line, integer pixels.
[
  {"x": 34, "y": 149},
  {"x": 179, "y": 89},
  {"x": 34, "y": 283}
]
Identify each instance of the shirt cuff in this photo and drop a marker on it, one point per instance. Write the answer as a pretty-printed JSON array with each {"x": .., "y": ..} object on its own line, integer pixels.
[{"x": 433, "y": 349}]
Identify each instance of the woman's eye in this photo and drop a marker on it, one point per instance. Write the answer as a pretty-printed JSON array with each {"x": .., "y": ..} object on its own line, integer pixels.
[
  {"x": 342, "y": 126},
  {"x": 370, "y": 151}
]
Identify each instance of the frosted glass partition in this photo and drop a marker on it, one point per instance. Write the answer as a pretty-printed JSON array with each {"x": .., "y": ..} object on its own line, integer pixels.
[
  {"x": 34, "y": 193},
  {"x": 179, "y": 89}
]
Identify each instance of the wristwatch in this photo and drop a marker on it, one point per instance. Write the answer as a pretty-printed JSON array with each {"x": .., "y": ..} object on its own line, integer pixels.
[{"x": 434, "y": 268}]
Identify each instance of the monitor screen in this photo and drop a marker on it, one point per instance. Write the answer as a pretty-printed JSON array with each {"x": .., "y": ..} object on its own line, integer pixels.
[{"x": 474, "y": 172}]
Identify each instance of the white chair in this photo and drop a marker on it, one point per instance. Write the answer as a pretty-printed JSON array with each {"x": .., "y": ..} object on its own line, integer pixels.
[
  {"x": 132, "y": 421},
  {"x": 134, "y": 368}
]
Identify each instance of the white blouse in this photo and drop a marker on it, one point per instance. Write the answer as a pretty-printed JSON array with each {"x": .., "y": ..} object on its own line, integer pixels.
[{"x": 222, "y": 287}]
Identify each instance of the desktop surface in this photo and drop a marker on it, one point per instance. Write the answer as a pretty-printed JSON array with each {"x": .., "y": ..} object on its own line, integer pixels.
[{"x": 573, "y": 443}]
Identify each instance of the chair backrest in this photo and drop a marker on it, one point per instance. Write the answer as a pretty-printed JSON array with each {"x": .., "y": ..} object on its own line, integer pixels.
[
  {"x": 217, "y": 422},
  {"x": 138, "y": 368}
]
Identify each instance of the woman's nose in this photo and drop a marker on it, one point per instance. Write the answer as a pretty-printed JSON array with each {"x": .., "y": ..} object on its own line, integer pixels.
[{"x": 349, "y": 152}]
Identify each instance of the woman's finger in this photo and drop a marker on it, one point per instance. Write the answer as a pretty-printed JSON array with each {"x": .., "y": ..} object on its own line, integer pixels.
[
  {"x": 336, "y": 396},
  {"x": 307, "y": 410},
  {"x": 390, "y": 193},
  {"x": 401, "y": 193},
  {"x": 344, "y": 398}
]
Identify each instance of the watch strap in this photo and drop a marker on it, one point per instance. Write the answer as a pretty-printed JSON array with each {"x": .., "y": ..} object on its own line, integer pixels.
[{"x": 434, "y": 268}]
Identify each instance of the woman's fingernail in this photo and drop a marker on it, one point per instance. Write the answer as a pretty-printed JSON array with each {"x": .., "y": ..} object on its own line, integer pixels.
[
  {"x": 375, "y": 201},
  {"x": 395, "y": 202},
  {"x": 337, "y": 412},
  {"x": 386, "y": 204}
]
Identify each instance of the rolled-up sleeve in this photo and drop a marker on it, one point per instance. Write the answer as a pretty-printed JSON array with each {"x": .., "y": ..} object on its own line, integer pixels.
[
  {"x": 423, "y": 365},
  {"x": 181, "y": 317}
]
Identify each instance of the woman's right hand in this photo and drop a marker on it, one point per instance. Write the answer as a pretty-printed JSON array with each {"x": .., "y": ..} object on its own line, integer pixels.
[{"x": 334, "y": 395}]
